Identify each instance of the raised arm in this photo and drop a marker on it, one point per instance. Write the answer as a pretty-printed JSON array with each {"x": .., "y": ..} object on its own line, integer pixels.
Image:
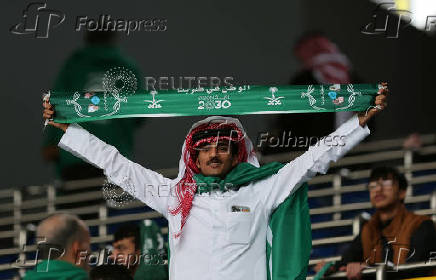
[
  {"x": 317, "y": 159},
  {"x": 146, "y": 185}
]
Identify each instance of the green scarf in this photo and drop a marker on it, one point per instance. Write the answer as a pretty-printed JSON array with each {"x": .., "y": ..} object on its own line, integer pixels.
[
  {"x": 289, "y": 249},
  {"x": 152, "y": 266},
  {"x": 241, "y": 174},
  {"x": 77, "y": 106}
]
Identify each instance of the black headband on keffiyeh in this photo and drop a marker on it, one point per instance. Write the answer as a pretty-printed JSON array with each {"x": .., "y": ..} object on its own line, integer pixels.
[{"x": 208, "y": 132}]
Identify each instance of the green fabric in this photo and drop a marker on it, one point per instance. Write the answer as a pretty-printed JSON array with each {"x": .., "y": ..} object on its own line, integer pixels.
[
  {"x": 84, "y": 70},
  {"x": 323, "y": 270},
  {"x": 152, "y": 244},
  {"x": 73, "y": 105},
  {"x": 291, "y": 244},
  {"x": 56, "y": 270},
  {"x": 242, "y": 174}
]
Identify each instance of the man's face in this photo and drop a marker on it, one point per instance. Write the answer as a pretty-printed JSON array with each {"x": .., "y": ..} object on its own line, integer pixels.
[
  {"x": 385, "y": 193},
  {"x": 216, "y": 159},
  {"x": 122, "y": 249}
]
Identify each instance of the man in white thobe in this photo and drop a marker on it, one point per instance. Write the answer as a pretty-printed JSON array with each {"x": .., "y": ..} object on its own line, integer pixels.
[{"x": 220, "y": 235}]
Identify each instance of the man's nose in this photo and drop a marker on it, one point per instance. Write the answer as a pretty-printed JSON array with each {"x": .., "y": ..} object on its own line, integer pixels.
[
  {"x": 213, "y": 152},
  {"x": 380, "y": 185}
]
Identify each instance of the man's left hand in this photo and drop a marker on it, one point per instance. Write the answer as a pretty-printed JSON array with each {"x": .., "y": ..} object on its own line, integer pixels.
[{"x": 380, "y": 103}]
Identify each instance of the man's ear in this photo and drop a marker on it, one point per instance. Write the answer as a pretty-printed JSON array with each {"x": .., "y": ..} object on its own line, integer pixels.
[
  {"x": 197, "y": 162},
  {"x": 75, "y": 248}
]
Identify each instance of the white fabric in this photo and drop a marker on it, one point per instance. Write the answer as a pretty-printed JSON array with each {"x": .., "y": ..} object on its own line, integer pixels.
[
  {"x": 251, "y": 158},
  {"x": 216, "y": 243}
]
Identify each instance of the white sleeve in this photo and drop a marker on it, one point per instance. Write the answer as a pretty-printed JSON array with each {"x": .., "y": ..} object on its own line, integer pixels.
[
  {"x": 146, "y": 185},
  {"x": 316, "y": 160}
]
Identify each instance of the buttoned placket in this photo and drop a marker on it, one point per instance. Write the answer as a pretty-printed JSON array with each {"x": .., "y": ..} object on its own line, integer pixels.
[{"x": 218, "y": 202}]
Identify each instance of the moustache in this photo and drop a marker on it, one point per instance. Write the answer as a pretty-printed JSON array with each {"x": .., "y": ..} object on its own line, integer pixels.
[{"x": 214, "y": 160}]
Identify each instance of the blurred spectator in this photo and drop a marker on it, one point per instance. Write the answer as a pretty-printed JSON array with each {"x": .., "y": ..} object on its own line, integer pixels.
[
  {"x": 126, "y": 247},
  {"x": 84, "y": 70},
  {"x": 393, "y": 234},
  {"x": 412, "y": 142},
  {"x": 110, "y": 272},
  {"x": 141, "y": 249},
  {"x": 67, "y": 243},
  {"x": 322, "y": 63}
]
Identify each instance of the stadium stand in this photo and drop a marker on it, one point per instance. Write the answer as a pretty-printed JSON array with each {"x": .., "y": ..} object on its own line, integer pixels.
[{"x": 336, "y": 200}]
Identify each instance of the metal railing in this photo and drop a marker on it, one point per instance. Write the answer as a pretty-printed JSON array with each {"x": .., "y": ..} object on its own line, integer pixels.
[
  {"x": 383, "y": 272},
  {"x": 51, "y": 201}
]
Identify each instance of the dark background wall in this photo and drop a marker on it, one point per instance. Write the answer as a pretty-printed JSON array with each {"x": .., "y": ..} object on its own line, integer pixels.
[{"x": 250, "y": 41}]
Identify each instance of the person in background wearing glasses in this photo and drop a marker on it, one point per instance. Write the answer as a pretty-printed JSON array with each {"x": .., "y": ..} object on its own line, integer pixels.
[{"x": 393, "y": 235}]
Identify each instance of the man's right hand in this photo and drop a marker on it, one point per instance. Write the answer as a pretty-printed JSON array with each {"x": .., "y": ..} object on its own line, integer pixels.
[
  {"x": 319, "y": 266},
  {"x": 354, "y": 270},
  {"x": 48, "y": 114}
]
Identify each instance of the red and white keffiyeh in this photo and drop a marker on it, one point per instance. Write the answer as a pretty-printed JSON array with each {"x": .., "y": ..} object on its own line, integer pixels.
[
  {"x": 324, "y": 59},
  {"x": 185, "y": 188}
]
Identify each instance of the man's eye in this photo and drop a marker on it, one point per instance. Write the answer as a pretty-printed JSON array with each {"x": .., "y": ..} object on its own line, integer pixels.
[{"x": 223, "y": 149}]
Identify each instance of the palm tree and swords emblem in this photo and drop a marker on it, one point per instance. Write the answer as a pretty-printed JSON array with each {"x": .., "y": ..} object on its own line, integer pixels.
[
  {"x": 154, "y": 103},
  {"x": 273, "y": 100}
]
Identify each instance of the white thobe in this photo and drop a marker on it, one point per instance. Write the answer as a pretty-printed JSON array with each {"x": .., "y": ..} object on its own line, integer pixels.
[{"x": 217, "y": 243}]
